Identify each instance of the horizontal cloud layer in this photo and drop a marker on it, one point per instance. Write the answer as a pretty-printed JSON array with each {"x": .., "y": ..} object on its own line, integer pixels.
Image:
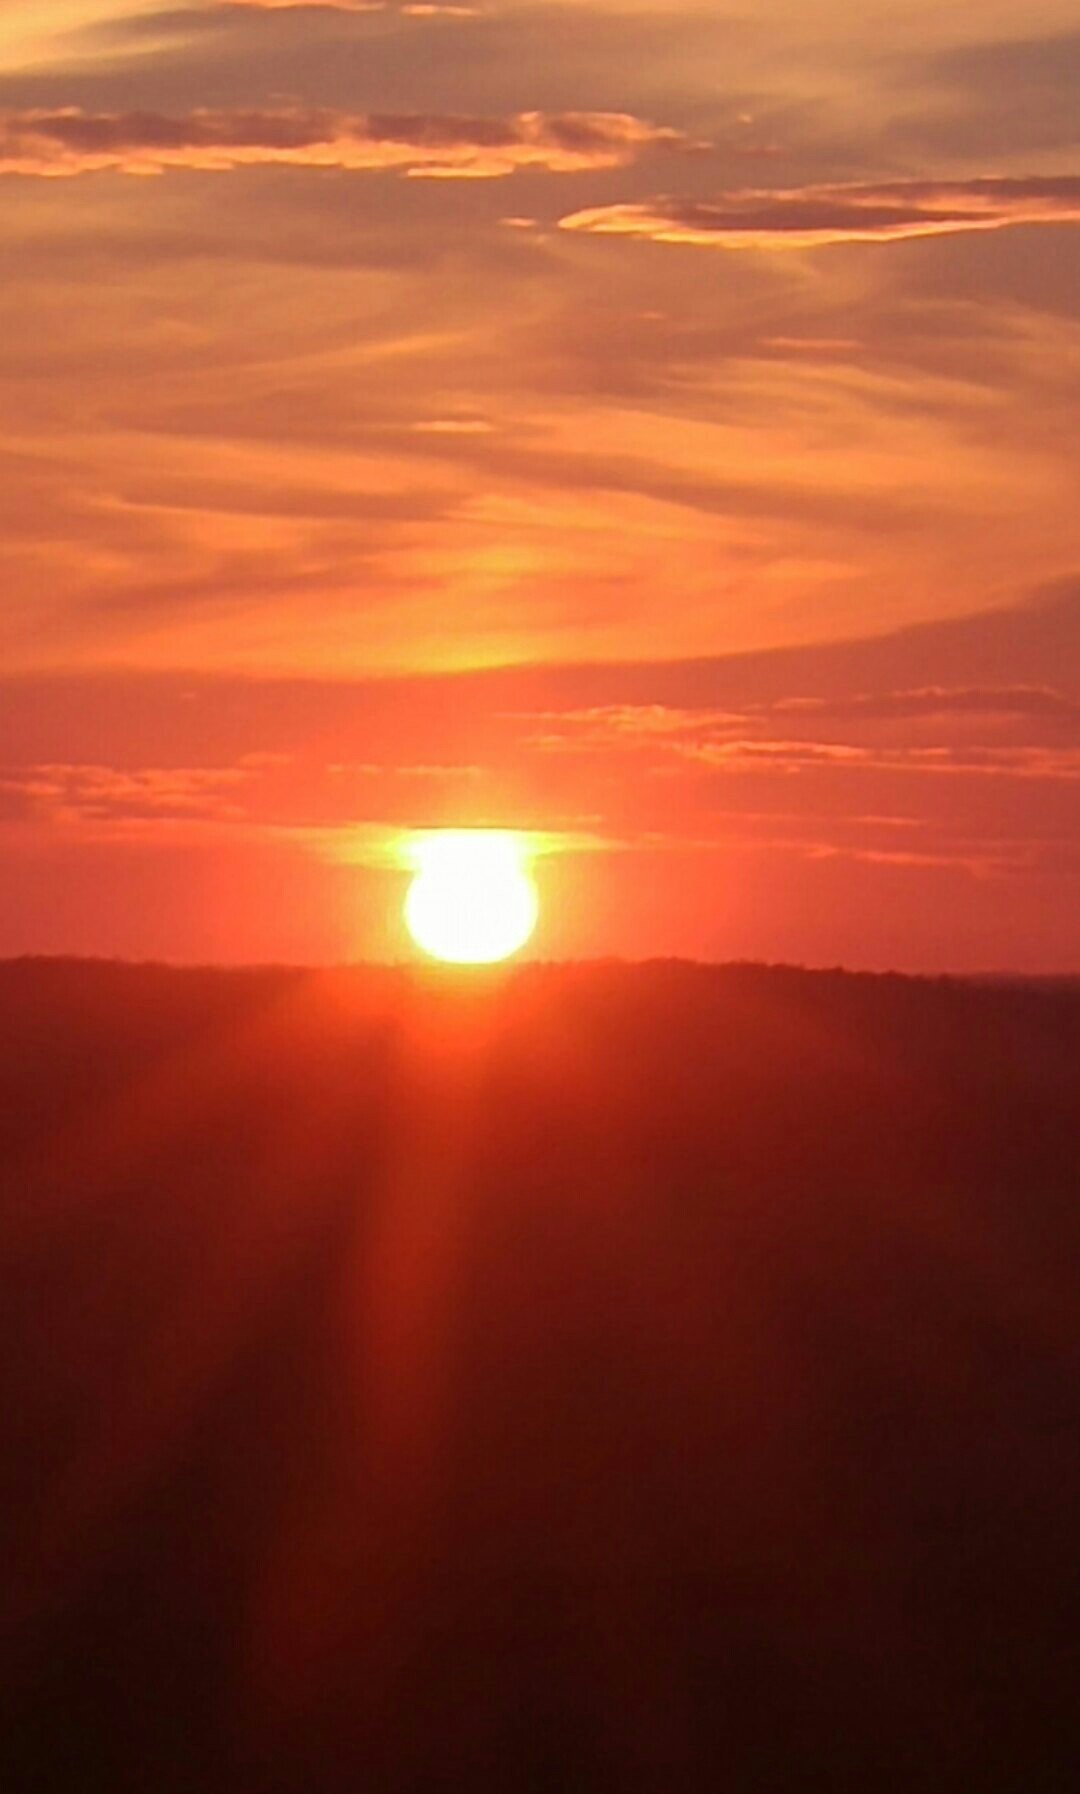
[
  {"x": 419, "y": 9},
  {"x": 804, "y": 218},
  {"x": 69, "y": 141}
]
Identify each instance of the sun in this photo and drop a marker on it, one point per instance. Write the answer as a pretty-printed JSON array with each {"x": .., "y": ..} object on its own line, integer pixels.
[{"x": 472, "y": 901}]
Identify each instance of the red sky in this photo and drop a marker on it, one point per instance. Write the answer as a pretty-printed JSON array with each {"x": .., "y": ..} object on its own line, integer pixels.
[{"x": 649, "y": 426}]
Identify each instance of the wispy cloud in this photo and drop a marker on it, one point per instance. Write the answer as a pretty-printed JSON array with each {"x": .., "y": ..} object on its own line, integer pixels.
[
  {"x": 417, "y": 9},
  {"x": 813, "y": 217},
  {"x": 91, "y": 793},
  {"x": 789, "y": 734},
  {"x": 70, "y": 141},
  {"x": 937, "y": 701},
  {"x": 788, "y": 756}
]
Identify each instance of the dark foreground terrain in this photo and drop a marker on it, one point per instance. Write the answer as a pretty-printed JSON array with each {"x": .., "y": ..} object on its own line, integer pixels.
[{"x": 597, "y": 1379}]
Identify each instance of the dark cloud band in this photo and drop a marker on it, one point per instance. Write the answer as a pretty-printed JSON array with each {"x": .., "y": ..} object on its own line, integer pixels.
[{"x": 71, "y": 141}]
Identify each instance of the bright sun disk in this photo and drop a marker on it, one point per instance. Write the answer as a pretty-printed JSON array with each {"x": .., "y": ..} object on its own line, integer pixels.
[{"x": 472, "y": 901}]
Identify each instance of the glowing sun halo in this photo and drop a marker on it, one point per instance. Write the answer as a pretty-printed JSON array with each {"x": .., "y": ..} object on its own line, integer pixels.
[{"x": 472, "y": 901}]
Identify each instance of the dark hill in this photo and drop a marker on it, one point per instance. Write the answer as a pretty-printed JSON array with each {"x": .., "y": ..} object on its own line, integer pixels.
[{"x": 591, "y": 1379}]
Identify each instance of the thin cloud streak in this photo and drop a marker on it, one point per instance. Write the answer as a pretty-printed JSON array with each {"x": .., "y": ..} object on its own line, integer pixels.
[
  {"x": 421, "y": 9},
  {"x": 70, "y": 142},
  {"x": 815, "y": 217}
]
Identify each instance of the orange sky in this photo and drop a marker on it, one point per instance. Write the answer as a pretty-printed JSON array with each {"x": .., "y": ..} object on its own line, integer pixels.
[{"x": 652, "y": 426}]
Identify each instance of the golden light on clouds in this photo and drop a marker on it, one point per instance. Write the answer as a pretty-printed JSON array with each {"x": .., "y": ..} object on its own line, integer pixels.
[{"x": 334, "y": 513}]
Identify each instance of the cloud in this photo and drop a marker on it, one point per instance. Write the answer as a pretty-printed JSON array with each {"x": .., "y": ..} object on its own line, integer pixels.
[
  {"x": 813, "y": 217},
  {"x": 726, "y": 756},
  {"x": 624, "y": 723},
  {"x": 936, "y": 700},
  {"x": 418, "y": 9},
  {"x": 69, "y": 141},
  {"x": 770, "y": 736},
  {"x": 271, "y": 791},
  {"x": 788, "y": 756},
  {"x": 722, "y": 739},
  {"x": 1004, "y": 96},
  {"x": 91, "y": 793},
  {"x": 651, "y": 728}
]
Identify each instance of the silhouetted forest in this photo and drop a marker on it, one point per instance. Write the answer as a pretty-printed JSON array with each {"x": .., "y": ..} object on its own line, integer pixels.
[{"x": 569, "y": 1381}]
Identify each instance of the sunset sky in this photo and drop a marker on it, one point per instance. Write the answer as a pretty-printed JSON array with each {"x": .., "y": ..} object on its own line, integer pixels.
[{"x": 650, "y": 427}]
